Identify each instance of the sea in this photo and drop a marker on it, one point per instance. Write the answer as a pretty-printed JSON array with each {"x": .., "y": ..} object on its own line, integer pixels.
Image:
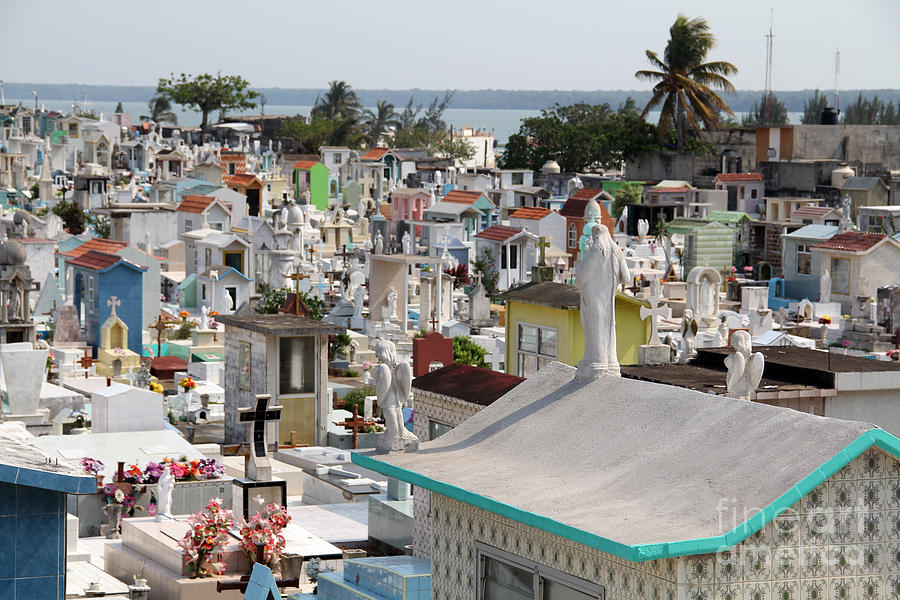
[{"x": 503, "y": 122}]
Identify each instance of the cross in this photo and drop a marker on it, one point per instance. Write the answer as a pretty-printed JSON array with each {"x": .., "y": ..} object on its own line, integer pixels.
[
  {"x": 52, "y": 312},
  {"x": 159, "y": 326},
  {"x": 542, "y": 245},
  {"x": 258, "y": 416},
  {"x": 477, "y": 277},
  {"x": 355, "y": 424},
  {"x": 654, "y": 312},
  {"x": 113, "y": 302},
  {"x": 86, "y": 361},
  {"x": 434, "y": 322},
  {"x": 296, "y": 277}
]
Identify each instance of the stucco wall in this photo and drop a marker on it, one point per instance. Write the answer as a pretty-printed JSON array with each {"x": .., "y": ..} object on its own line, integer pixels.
[{"x": 867, "y": 272}]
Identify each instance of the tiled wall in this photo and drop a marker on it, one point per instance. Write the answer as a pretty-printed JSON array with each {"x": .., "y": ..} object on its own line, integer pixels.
[
  {"x": 32, "y": 543},
  {"x": 438, "y": 407}
]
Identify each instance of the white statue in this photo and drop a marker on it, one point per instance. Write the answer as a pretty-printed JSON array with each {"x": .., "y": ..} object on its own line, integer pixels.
[
  {"x": 745, "y": 369},
  {"x": 284, "y": 216},
  {"x": 390, "y": 310},
  {"x": 359, "y": 295},
  {"x": 825, "y": 287},
  {"x": 688, "y": 331},
  {"x": 407, "y": 243},
  {"x": 438, "y": 178},
  {"x": 598, "y": 275},
  {"x": 643, "y": 227},
  {"x": 204, "y": 318},
  {"x": 379, "y": 243},
  {"x": 393, "y": 380},
  {"x": 704, "y": 303},
  {"x": 164, "y": 493},
  {"x": 225, "y": 299},
  {"x": 805, "y": 310}
]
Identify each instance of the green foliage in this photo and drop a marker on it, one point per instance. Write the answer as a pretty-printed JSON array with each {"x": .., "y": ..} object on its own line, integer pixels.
[
  {"x": 161, "y": 110},
  {"x": 87, "y": 114},
  {"x": 580, "y": 136},
  {"x": 340, "y": 101},
  {"x": 468, "y": 352},
  {"x": 72, "y": 216},
  {"x": 119, "y": 108},
  {"x": 813, "y": 107},
  {"x": 321, "y": 131},
  {"x": 871, "y": 111},
  {"x": 314, "y": 304},
  {"x": 272, "y": 299},
  {"x": 351, "y": 373},
  {"x": 357, "y": 397},
  {"x": 457, "y": 148},
  {"x": 100, "y": 226},
  {"x": 776, "y": 114},
  {"x": 685, "y": 85},
  {"x": 206, "y": 93},
  {"x": 486, "y": 266},
  {"x": 184, "y": 329},
  {"x": 428, "y": 129},
  {"x": 627, "y": 194},
  {"x": 339, "y": 344},
  {"x": 378, "y": 122},
  {"x": 36, "y": 191}
]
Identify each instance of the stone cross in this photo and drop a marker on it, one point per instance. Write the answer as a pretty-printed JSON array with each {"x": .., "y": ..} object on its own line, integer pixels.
[
  {"x": 113, "y": 302},
  {"x": 654, "y": 312},
  {"x": 259, "y": 468},
  {"x": 543, "y": 244}
]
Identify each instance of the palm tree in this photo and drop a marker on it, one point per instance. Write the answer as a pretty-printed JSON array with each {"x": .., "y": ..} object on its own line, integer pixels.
[
  {"x": 339, "y": 101},
  {"x": 684, "y": 83},
  {"x": 161, "y": 110},
  {"x": 380, "y": 120}
]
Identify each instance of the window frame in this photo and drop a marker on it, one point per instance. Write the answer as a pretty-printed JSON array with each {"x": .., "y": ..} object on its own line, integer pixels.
[
  {"x": 805, "y": 250},
  {"x": 572, "y": 235},
  {"x": 540, "y": 573},
  {"x": 537, "y": 353},
  {"x": 843, "y": 291}
]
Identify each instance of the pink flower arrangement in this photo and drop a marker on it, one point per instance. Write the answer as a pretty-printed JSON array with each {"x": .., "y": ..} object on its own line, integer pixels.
[
  {"x": 206, "y": 538},
  {"x": 845, "y": 343},
  {"x": 91, "y": 465},
  {"x": 264, "y": 528},
  {"x": 366, "y": 365}
]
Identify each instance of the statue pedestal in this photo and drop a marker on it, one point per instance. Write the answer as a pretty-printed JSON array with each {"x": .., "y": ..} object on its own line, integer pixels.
[
  {"x": 585, "y": 372},
  {"x": 203, "y": 337},
  {"x": 244, "y": 492},
  {"x": 654, "y": 354}
]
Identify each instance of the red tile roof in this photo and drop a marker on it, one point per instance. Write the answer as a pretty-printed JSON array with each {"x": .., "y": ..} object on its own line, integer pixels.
[
  {"x": 467, "y": 383},
  {"x": 95, "y": 260},
  {"x": 305, "y": 165},
  {"x": 244, "y": 179},
  {"x": 462, "y": 197},
  {"x": 195, "y": 204},
  {"x": 739, "y": 177},
  {"x": 498, "y": 233},
  {"x": 374, "y": 154},
  {"x": 587, "y": 194},
  {"x": 531, "y": 213},
  {"x": 852, "y": 241},
  {"x": 108, "y": 246}
]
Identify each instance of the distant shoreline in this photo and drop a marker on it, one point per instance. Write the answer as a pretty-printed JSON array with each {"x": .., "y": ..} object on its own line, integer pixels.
[{"x": 474, "y": 99}]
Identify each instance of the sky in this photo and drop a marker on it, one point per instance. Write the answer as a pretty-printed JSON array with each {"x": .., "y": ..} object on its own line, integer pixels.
[{"x": 464, "y": 44}]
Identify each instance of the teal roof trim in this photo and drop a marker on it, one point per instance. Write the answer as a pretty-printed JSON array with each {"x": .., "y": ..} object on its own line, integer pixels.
[{"x": 644, "y": 552}]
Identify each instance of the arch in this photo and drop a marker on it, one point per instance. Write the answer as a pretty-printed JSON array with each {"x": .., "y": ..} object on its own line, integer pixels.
[
  {"x": 764, "y": 271},
  {"x": 694, "y": 279}
]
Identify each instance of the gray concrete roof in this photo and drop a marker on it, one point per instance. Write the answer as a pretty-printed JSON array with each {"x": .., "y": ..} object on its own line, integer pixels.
[
  {"x": 629, "y": 461},
  {"x": 281, "y": 324}
]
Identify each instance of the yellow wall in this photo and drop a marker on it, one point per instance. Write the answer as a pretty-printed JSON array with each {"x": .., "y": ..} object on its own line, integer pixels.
[{"x": 631, "y": 331}]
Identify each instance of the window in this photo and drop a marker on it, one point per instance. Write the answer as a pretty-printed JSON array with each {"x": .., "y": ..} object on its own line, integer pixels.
[
  {"x": 753, "y": 193},
  {"x": 504, "y": 576},
  {"x": 337, "y": 158},
  {"x": 741, "y": 191},
  {"x": 436, "y": 429},
  {"x": 188, "y": 224},
  {"x": 203, "y": 292},
  {"x": 874, "y": 223},
  {"x": 296, "y": 365},
  {"x": 573, "y": 236},
  {"x": 92, "y": 300},
  {"x": 216, "y": 226},
  {"x": 231, "y": 168},
  {"x": 208, "y": 257},
  {"x": 840, "y": 276},
  {"x": 513, "y": 257},
  {"x": 537, "y": 346},
  {"x": 244, "y": 365},
  {"x": 73, "y": 129},
  {"x": 804, "y": 258},
  {"x": 518, "y": 178}
]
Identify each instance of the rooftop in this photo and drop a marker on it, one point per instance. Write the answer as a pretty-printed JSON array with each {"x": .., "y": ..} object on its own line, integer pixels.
[
  {"x": 816, "y": 232},
  {"x": 305, "y": 165},
  {"x": 739, "y": 177},
  {"x": 108, "y": 246},
  {"x": 280, "y": 324},
  {"x": 467, "y": 383},
  {"x": 852, "y": 241},
  {"x": 241, "y": 179},
  {"x": 498, "y": 233},
  {"x": 195, "y": 204},
  {"x": 374, "y": 154},
  {"x": 462, "y": 196},
  {"x": 861, "y": 183},
  {"x": 813, "y": 212},
  {"x": 531, "y": 213},
  {"x": 548, "y": 293},
  {"x": 586, "y": 194},
  {"x": 22, "y": 463}
]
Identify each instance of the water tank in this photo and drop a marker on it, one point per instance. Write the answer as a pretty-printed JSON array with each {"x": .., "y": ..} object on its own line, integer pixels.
[
  {"x": 551, "y": 166},
  {"x": 829, "y": 116},
  {"x": 839, "y": 175}
]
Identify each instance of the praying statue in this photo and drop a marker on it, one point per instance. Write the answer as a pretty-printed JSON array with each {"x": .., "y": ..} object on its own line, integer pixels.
[
  {"x": 359, "y": 295},
  {"x": 164, "y": 493},
  {"x": 598, "y": 275},
  {"x": 379, "y": 243},
  {"x": 393, "y": 380},
  {"x": 745, "y": 368},
  {"x": 825, "y": 287},
  {"x": 407, "y": 243}
]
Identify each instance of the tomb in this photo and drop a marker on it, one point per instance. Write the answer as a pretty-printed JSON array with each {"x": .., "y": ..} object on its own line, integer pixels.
[
  {"x": 123, "y": 408},
  {"x": 24, "y": 371},
  {"x": 114, "y": 359}
]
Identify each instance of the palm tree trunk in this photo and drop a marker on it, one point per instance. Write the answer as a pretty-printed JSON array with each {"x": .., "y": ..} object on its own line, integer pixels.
[{"x": 679, "y": 122}]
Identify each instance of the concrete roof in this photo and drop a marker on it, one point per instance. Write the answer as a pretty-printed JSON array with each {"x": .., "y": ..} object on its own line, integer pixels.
[
  {"x": 280, "y": 324},
  {"x": 814, "y": 232},
  {"x": 22, "y": 463},
  {"x": 647, "y": 479}
]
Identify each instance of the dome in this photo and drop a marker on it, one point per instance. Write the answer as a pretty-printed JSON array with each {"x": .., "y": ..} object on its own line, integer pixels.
[
  {"x": 12, "y": 253},
  {"x": 592, "y": 210},
  {"x": 295, "y": 215},
  {"x": 551, "y": 166}
]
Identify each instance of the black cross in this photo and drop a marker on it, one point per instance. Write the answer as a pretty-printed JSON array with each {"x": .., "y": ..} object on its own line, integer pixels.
[{"x": 259, "y": 416}]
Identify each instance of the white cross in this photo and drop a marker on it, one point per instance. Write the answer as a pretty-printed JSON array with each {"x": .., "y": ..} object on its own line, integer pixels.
[
  {"x": 113, "y": 302},
  {"x": 654, "y": 312}
]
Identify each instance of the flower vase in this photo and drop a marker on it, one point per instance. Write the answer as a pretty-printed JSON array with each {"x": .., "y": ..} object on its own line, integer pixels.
[
  {"x": 188, "y": 397},
  {"x": 114, "y": 515},
  {"x": 99, "y": 482}
]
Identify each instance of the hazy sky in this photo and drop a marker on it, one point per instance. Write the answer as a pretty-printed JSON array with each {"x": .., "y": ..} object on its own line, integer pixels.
[{"x": 463, "y": 44}]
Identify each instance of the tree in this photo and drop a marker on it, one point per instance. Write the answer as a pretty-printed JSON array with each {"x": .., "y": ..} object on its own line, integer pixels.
[
  {"x": 339, "y": 101},
  {"x": 72, "y": 216},
  {"x": 457, "y": 148},
  {"x": 627, "y": 194},
  {"x": 467, "y": 352},
  {"x": 813, "y": 107},
  {"x": 161, "y": 110},
  {"x": 685, "y": 84},
  {"x": 272, "y": 299},
  {"x": 775, "y": 113},
  {"x": 119, "y": 108},
  {"x": 486, "y": 267},
  {"x": 100, "y": 226},
  {"x": 378, "y": 122},
  {"x": 207, "y": 93},
  {"x": 870, "y": 111}
]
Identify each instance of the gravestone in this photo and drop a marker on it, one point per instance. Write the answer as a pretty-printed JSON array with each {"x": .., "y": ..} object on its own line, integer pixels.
[
  {"x": 479, "y": 306},
  {"x": 24, "y": 371},
  {"x": 68, "y": 329},
  {"x": 258, "y": 480},
  {"x": 654, "y": 352}
]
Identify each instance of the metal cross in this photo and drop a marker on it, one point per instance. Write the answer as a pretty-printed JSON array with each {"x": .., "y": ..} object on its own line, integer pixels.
[
  {"x": 160, "y": 326},
  {"x": 296, "y": 277},
  {"x": 654, "y": 312},
  {"x": 86, "y": 361},
  {"x": 259, "y": 416}
]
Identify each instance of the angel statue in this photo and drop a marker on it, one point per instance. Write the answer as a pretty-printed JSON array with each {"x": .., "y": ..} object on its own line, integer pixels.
[
  {"x": 393, "y": 380},
  {"x": 745, "y": 368}
]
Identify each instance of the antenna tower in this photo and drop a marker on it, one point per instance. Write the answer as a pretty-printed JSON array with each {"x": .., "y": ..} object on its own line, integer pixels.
[
  {"x": 769, "y": 56},
  {"x": 837, "y": 72}
]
